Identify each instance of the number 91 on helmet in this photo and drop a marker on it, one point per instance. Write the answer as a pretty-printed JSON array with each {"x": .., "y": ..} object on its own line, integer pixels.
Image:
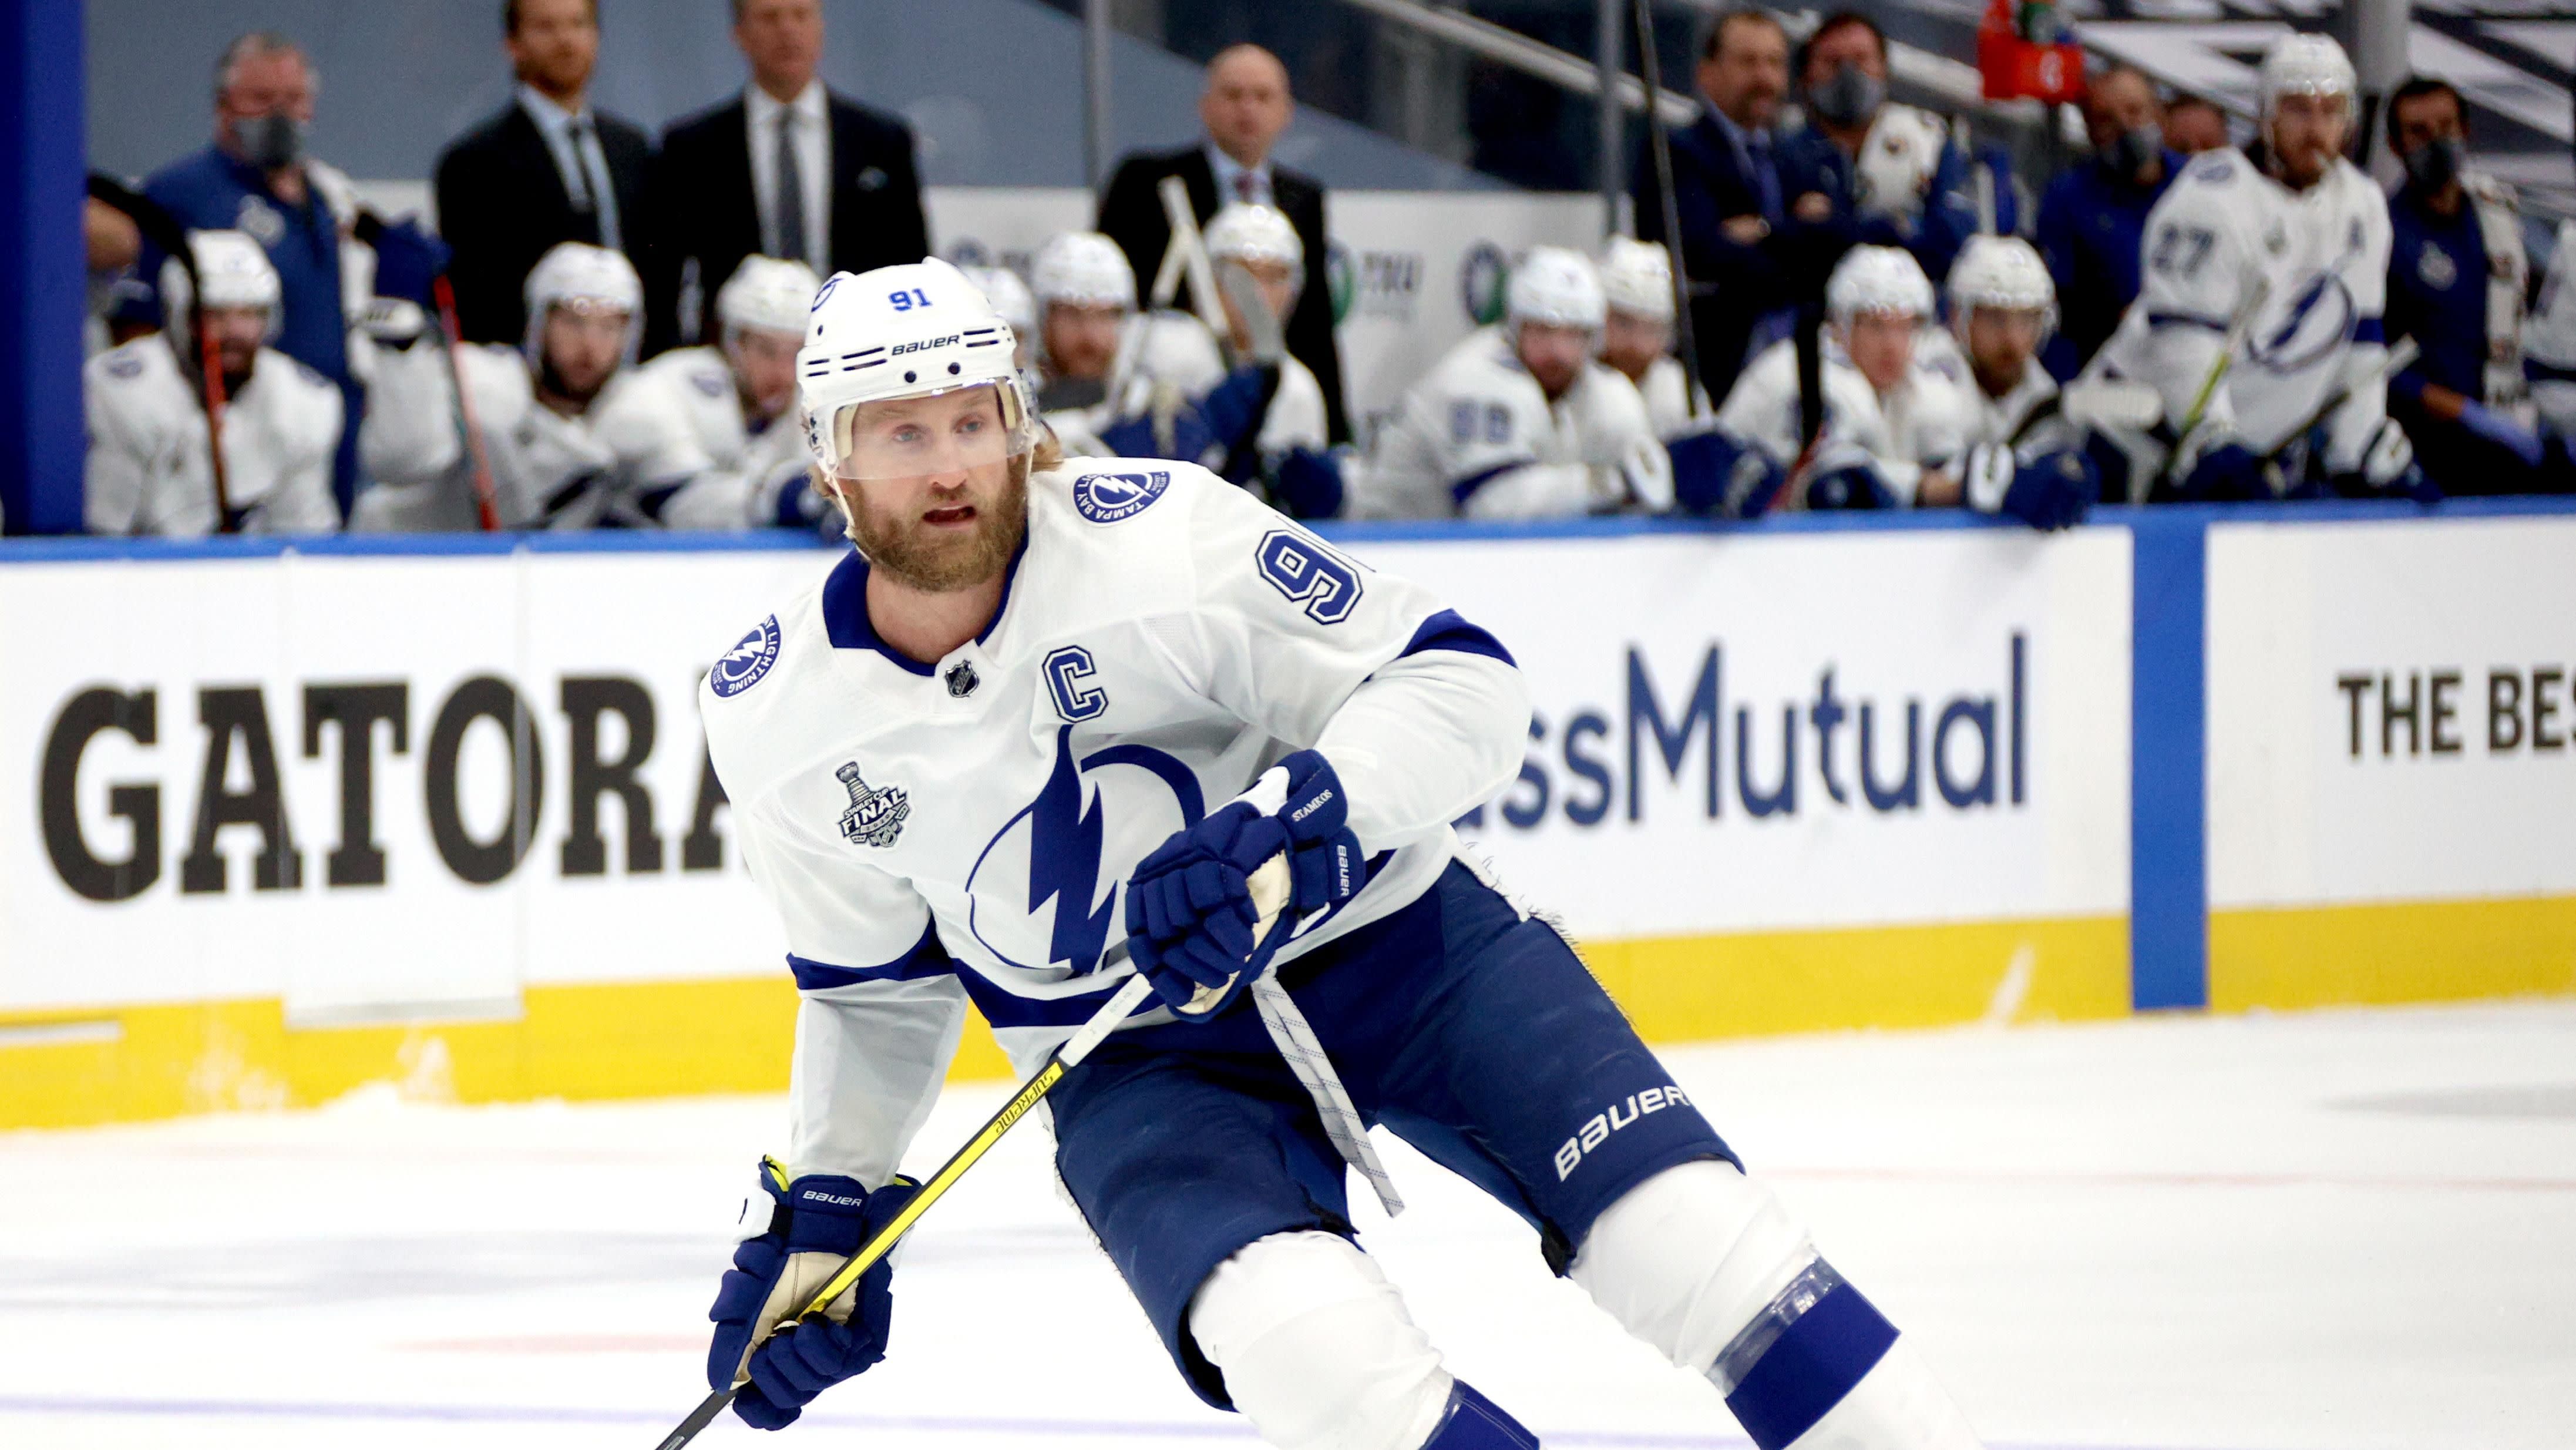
[{"x": 906, "y": 372}]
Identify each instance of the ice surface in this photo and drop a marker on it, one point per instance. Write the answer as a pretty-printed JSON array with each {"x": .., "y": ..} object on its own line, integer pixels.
[{"x": 2338, "y": 1230}]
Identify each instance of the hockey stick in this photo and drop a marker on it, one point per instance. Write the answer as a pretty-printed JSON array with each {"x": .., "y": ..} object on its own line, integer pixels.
[
  {"x": 1193, "y": 250},
  {"x": 1651, "y": 67},
  {"x": 1268, "y": 349},
  {"x": 163, "y": 230},
  {"x": 2398, "y": 356},
  {"x": 1270, "y": 886},
  {"x": 2238, "y": 327},
  {"x": 487, "y": 497}
]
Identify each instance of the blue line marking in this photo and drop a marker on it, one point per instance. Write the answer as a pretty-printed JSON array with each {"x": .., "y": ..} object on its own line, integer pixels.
[{"x": 2168, "y": 725}]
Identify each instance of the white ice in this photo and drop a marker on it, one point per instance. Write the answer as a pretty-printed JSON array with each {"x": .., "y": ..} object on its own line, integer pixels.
[{"x": 2339, "y": 1230}]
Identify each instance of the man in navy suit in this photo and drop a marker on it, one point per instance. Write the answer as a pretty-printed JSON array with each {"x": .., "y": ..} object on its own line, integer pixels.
[
  {"x": 1763, "y": 216},
  {"x": 787, "y": 169}
]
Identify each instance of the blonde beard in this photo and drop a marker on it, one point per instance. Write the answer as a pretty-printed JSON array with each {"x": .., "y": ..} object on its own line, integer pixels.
[{"x": 894, "y": 546}]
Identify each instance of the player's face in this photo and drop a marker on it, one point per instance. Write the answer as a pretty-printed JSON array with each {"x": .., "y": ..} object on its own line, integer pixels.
[
  {"x": 1081, "y": 342},
  {"x": 582, "y": 347},
  {"x": 1749, "y": 74},
  {"x": 237, "y": 332},
  {"x": 1881, "y": 345},
  {"x": 2307, "y": 134},
  {"x": 1554, "y": 355},
  {"x": 1278, "y": 292},
  {"x": 935, "y": 495},
  {"x": 764, "y": 369},
  {"x": 1631, "y": 343},
  {"x": 556, "y": 44},
  {"x": 2001, "y": 342},
  {"x": 783, "y": 39}
]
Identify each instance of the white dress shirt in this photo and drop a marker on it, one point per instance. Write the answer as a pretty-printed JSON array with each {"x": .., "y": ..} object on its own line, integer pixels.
[
  {"x": 584, "y": 175},
  {"x": 813, "y": 142},
  {"x": 1228, "y": 189}
]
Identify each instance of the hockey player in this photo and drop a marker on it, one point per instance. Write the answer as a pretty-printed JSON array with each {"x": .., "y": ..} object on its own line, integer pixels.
[
  {"x": 1090, "y": 701},
  {"x": 1010, "y": 297},
  {"x": 1086, "y": 297},
  {"x": 2294, "y": 227},
  {"x": 1263, "y": 243},
  {"x": 570, "y": 436},
  {"x": 150, "y": 468},
  {"x": 737, "y": 398},
  {"x": 1519, "y": 420},
  {"x": 1637, "y": 333},
  {"x": 1895, "y": 419},
  {"x": 2024, "y": 458}
]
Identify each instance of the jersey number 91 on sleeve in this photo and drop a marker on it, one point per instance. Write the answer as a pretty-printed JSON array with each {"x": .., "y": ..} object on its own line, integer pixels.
[{"x": 1303, "y": 571}]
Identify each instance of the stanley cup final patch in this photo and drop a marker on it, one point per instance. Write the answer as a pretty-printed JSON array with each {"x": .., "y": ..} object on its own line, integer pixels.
[
  {"x": 875, "y": 817},
  {"x": 744, "y": 664}
]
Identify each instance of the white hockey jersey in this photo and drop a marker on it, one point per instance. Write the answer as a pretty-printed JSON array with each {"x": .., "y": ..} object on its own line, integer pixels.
[
  {"x": 149, "y": 471},
  {"x": 615, "y": 464},
  {"x": 1924, "y": 423},
  {"x": 1990, "y": 419},
  {"x": 2321, "y": 257},
  {"x": 937, "y": 833},
  {"x": 1666, "y": 390},
  {"x": 746, "y": 468},
  {"x": 2549, "y": 337},
  {"x": 1477, "y": 438},
  {"x": 1894, "y": 171}
]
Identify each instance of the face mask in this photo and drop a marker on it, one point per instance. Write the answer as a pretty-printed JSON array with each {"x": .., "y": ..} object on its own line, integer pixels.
[
  {"x": 2131, "y": 150},
  {"x": 1849, "y": 97},
  {"x": 271, "y": 142},
  {"x": 2436, "y": 165}
]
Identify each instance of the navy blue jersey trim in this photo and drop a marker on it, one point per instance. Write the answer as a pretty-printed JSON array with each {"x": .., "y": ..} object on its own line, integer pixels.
[
  {"x": 2186, "y": 319},
  {"x": 926, "y": 959},
  {"x": 1465, "y": 488},
  {"x": 1450, "y": 631},
  {"x": 2370, "y": 329},
  {"x": 2541, "y": 372},
  {"x": 845, "y": 609},
  {"x": 1003, "y": 1009}
]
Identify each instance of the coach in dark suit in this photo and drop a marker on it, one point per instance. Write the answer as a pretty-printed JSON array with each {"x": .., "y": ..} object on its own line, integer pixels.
[
  {"x": 1245, "y": 108},
  {"x": 1763, "y": 216},
  {"x": 786, "y": 169},
  {"x": 547, "y": 169}
]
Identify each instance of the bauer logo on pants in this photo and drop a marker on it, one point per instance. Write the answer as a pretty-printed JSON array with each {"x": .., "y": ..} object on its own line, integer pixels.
[{"x": 1598, "y": 1128}]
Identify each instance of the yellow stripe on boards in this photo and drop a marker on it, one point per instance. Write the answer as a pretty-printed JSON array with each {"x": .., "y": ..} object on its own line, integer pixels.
[{"x": 2427, "y": 951}]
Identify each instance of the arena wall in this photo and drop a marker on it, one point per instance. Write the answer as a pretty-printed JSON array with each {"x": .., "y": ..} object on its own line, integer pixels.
[{"x": 2177, "y": 758}]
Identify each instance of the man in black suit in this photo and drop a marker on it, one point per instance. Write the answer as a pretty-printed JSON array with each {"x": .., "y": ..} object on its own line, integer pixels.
[
  {"x": 786, "y": 169},
  {"x": 1244, "y": 109},
  {"x": 1764, "y": 216},
  {"x": 547, "y": 169}
]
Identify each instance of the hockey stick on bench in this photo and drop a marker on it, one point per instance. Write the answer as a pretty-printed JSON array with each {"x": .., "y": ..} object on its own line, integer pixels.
[{"x": 1270, "y": 891}]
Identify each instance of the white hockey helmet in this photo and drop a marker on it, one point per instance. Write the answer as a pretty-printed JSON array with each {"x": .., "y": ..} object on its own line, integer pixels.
[
  {"x": 1009, "y": 295},
  {"x": 584, "y": 278},
  {"x": 1085, "y": 269},
  {"x": 915, "y": 330},
  {"x": 767, "y": 295},
  {"x": 1248, "y": 232},
  {"x": 1878, "y": 279},
  {"x": 1637, "y": 278},
  {"x": 1557, "y": 286},
  {"x": 236, "y": 272},
  {"x": 2004, "y": 273},
  {"x": 2304, "y": 65}
]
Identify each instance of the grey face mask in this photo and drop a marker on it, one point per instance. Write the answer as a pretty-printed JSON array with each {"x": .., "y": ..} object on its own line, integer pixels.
[
  {"x": 271, "y": 142},
  {"x": 2436, "y": 165},
  {"x": 1848, "y": 97},
  {"x": 2133, "y": 149}
]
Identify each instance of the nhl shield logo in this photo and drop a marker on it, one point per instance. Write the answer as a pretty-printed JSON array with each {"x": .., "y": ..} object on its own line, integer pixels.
[{"x": 875, "y": 817}]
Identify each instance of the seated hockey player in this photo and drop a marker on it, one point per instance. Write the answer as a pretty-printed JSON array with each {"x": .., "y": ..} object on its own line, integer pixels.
[
  {"x": 1519, "y": 420},
  {"x": 559, "y": 435},
  {"x": 2285, "y": 246},
  {"x": 1219, "y": 695},
  {"x": 1894, "y": 420},
  {"x": 1010, "y": 297},
  {"x": 738, "y": 397},
  {"x": 2025, "y": 456},
  {"x": 1637, "y": 334},
  {"x": 150, "y": 468},
  {"x": 1088, "y": 328}
]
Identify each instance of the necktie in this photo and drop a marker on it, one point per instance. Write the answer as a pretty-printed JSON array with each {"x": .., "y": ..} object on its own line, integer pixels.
[
  {"x": 577, "y": 180},
  {"x": 788, "y": 216},
  {"x": 589, "y": 185},
  {"x": 1766, "y": 176},
  {"x": 1246, "y": 187}
]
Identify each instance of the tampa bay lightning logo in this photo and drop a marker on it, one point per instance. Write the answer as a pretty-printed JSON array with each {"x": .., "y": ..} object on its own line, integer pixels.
[
  {"x": 1044, "y": 893},
  {"x": 710, "y": 383},
  {"x": 1108, "y": 498},
  {"x": 2319, "y": 320},
  {"x": 744, "y": 664}
]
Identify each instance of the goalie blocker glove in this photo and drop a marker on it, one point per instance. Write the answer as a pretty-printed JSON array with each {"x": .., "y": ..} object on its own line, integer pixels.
[
  {"x": 798, "y": 1236},
  {"x": 1190, "y": 918}
]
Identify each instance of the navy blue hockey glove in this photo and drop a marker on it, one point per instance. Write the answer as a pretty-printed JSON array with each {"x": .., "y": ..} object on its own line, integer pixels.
[
  {"x": 1188, "y": 439},
  {"x": 812, "y": 1225},
  {"x": 1191, "y": 923},
  {"x": 1234, "y": 409},
  {"x": 2227, "y": 473},
  {"x": 1308, "y": 485},
  {"x": 408, "y": 260},
  {"x": 1846, "y": 477},
  {"x": 2050, "y": 491},
  {"x": 1715, "y": 475},
  {"x": 2388, "y": 469}
]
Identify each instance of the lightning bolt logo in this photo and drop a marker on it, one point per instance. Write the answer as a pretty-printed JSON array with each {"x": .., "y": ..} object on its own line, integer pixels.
[{"x": 1065, "y": 826}]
